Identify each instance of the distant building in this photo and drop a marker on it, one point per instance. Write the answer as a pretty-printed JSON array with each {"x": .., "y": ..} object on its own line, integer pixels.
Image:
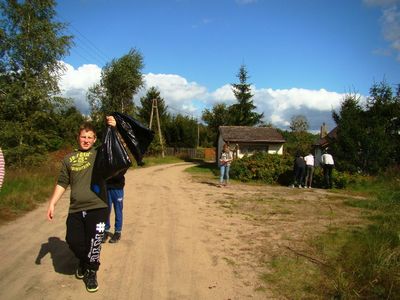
[
  {"x": 247, "y": 140},
  {"x": 325, "y": 139}
]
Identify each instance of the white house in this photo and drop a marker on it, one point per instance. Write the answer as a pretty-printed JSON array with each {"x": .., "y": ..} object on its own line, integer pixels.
[{"x": 246, "y": 140}]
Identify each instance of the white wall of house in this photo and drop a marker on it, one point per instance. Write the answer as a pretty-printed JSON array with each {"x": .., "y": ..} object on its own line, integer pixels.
[
  {"x": 275, "y": 149},
  {"x": 250, "y": 148}
]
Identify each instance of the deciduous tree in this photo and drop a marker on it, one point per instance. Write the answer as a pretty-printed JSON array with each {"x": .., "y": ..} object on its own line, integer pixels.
[
  {"x": 120, "y": 80},
  {"x": 32, "y": 45}
]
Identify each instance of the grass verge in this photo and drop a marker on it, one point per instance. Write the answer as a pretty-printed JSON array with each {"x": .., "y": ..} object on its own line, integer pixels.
[{"x": 23, "y": 190}]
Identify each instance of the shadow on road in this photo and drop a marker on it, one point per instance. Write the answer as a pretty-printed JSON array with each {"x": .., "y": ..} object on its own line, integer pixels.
[
  {"x": 64, "y": 260},
  {"x": 215, "y": 184}
]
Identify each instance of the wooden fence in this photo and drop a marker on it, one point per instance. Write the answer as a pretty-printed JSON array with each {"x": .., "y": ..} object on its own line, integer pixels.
[{"x": 206, "y": 154}]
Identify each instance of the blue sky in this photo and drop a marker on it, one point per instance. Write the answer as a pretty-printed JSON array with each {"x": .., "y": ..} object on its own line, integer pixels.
[{"x": 302, "y": 56}]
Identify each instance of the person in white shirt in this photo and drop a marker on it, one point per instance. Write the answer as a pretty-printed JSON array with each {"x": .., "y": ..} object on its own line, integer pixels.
[
  {"x": 327, "y": 164},
  {"x": 309, "y": 159}
]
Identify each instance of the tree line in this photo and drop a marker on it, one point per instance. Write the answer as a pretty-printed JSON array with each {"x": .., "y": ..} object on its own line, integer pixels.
[{"x": 35, "y": 119}]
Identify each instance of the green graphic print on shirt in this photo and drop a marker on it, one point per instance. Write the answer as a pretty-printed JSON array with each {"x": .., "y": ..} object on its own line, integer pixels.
[{"x": 77, "y": 171}]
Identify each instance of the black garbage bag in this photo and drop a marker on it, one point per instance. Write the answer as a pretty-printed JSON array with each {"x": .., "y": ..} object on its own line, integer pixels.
[
  {"x": 136, "y": 136},
  {"x": 111, "y": 159}
]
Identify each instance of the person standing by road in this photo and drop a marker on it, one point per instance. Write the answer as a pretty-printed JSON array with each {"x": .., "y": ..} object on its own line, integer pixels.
[
  {"x": 298, "y": 170},
  {"x": 309, "y": 160},
  {"x": 327, "y": 165},
  {"x": 2, "y": 168},
  {"x": 115, "y": 191},
  {"x": 225, "y": 163},
  {"x": 87, "y": 212}
]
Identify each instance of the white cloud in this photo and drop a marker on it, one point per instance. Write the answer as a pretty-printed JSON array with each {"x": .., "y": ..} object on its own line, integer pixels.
[
  {"x": 192, "y": 98},
  {"x": 295, "y": 98},
  {"x": 74, "y": 83},
  {"x": 391, "y": 27},
  {"x": 390, "y": 20},
  {"x": 177, "y": 92},
  {"x": 223, "y": 94},
  {"x": 279, "y": 106}
]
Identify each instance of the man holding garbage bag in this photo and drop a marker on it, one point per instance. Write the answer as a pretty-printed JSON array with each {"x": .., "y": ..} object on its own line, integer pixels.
[{"x": 83, "y": 171}]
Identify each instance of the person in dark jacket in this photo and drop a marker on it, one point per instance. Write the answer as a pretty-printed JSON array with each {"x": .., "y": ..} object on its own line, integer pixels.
[
  {"x": 299, "y": 167},
  {"x": 115, "y": 191}
]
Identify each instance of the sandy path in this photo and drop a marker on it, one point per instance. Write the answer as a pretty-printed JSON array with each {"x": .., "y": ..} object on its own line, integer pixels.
[{"x": 172, "y": 247}]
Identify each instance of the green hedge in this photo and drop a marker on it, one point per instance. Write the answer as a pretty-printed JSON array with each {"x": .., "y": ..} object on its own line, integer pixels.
[
  {"x": 278, "y": 169},
  {"x": 261, "y": 166}
]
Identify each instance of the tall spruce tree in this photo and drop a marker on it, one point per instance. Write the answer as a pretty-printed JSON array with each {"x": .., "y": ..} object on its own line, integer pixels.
[
  {"x": 350, "y": 144},
  {"x": 242, "y": 113},
  {"x": 32, "y": 45}
]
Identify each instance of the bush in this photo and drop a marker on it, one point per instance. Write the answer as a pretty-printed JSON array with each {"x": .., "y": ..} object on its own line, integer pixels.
[
  {"x": 261, "y": 166},
  {"x": 273, "y": 168}
]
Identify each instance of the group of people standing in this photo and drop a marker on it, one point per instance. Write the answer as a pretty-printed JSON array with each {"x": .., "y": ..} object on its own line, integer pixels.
[{"x": 303, "y": 170}]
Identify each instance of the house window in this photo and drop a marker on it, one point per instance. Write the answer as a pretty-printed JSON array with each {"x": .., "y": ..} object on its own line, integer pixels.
[{"x": 249, "y": 148}]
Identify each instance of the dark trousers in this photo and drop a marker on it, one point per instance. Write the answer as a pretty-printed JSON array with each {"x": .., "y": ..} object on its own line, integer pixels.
[
  {"x": 309, "y": 175},
  {"x": 328, "y": 176},
  {"x": 85, "y": 231},
  {"x": 299, "y": 176}
]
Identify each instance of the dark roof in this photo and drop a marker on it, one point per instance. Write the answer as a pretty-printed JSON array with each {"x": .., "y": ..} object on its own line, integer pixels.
[
  {"x": 323, "y": 142},
  {"x": 250, "y": 134}
]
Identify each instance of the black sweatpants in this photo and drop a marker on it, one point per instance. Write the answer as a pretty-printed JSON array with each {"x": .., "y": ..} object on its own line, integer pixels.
[
  {"x": 328, "y": 176},
  {"x": 85, "y": 230}
]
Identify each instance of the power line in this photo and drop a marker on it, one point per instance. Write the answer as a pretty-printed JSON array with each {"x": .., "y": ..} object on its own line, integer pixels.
[
  {"x": 85, "y": 44},
  {"x": 183, "y": 112}
]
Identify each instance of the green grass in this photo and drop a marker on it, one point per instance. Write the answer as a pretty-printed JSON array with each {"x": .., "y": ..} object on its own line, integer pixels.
[
  {"x": 292, "y": 277},
  {"x": 204, "y": 169},
  {"x": 358, "y": 262},
  {"x": 152, "y": 161},
  {"x": 370, "y": 257},
  {"x": 23, "y": 190}
]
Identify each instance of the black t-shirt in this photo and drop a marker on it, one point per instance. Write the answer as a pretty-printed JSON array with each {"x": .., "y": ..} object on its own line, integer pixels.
[
  {"x": 116, "y": 182},
  {"x": 299, "y": 163}
]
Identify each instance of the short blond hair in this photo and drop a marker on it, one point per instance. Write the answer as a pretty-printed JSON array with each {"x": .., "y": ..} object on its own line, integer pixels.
[{"x": 86, "y": 127}]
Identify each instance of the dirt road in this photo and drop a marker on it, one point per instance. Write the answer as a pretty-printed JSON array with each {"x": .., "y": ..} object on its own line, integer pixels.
[{"x": 173, "y": 247}]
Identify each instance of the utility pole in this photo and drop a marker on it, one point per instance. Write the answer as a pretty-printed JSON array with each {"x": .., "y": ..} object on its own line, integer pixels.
[
  {"x": 198, "y": 133},
  {"x": 154, "y": 106}
]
